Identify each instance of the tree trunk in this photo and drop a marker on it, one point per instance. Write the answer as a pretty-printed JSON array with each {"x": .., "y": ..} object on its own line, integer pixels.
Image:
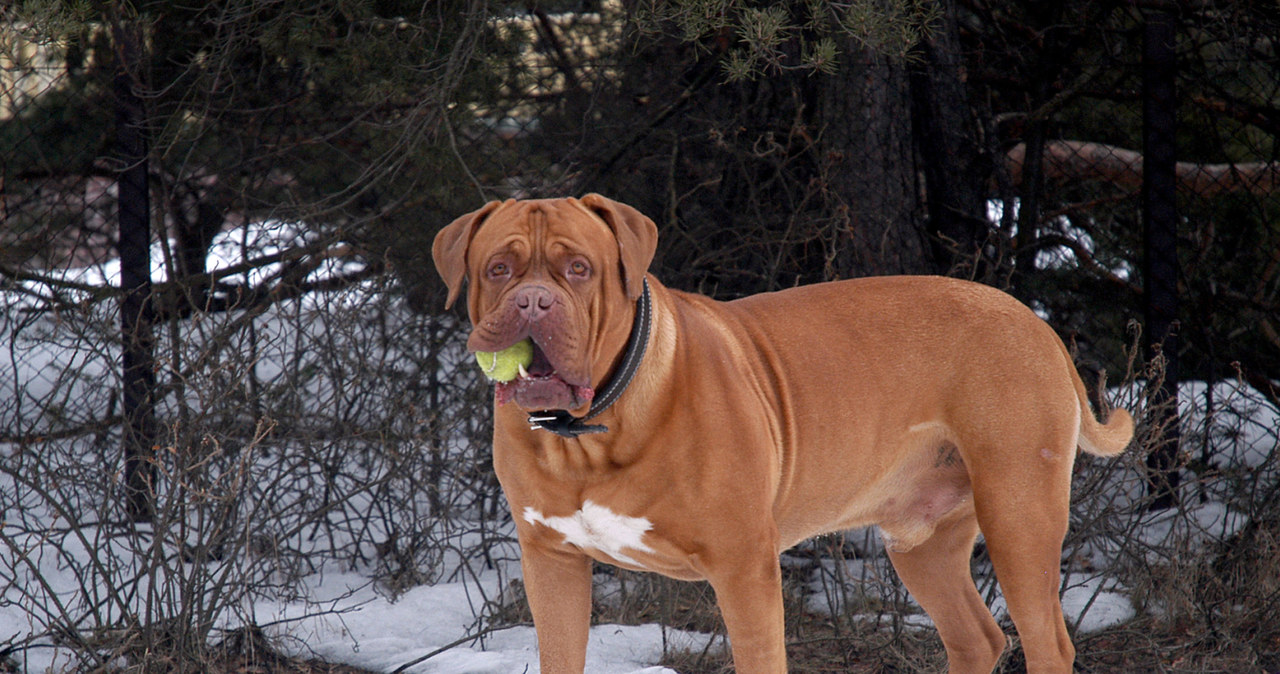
[
  {"x": 947, "y": 140},
  {"x": 871, "y": 191},
  {"x": 1160, "y": 239},
  {"x": 787, "y": 178},
  {"x": 137, "y": 361}
]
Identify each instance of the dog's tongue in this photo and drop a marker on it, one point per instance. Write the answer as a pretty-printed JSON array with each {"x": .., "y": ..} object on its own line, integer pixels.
[{"x": 540, "y": 366}]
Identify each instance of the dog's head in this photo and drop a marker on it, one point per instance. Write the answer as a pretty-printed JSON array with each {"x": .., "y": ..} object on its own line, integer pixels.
[{"x": 564, "y": 273}]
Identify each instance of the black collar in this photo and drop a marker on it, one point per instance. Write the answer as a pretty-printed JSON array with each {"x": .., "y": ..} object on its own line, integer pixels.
[{"x": 566, "y": 425}]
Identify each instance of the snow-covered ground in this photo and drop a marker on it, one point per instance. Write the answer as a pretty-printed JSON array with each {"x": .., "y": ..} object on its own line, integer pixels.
[
  {"x": 383, "y": 635},
  {"x": 341, "y": 615}
]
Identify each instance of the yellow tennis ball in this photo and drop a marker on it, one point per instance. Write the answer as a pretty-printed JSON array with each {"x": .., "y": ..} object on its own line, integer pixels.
[{"x": 504, "y": 365}]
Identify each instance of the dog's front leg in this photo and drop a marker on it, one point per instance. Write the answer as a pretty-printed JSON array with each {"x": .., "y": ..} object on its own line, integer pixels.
[
  {"x": 749, "y": 593},
  {"x": 558, "y": 584}
]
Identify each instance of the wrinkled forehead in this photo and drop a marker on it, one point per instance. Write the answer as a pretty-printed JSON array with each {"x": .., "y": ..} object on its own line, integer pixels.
[{"x": 540, "y": 223}]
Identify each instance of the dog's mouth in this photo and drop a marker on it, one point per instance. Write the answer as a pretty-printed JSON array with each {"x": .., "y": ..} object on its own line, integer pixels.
[{"x": 540, "y": 387}]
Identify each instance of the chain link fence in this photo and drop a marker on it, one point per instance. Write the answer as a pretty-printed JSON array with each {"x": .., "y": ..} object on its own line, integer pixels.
[{"x": 314, "y": 408}]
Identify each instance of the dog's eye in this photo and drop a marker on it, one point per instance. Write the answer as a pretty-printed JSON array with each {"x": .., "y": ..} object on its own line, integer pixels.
[
  {"x": 579, "y": 268},
  {"x": 499, "y": 269}
]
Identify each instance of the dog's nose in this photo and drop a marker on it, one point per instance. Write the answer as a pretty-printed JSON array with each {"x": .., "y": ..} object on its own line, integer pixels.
[{"x": 534, "y": 302}]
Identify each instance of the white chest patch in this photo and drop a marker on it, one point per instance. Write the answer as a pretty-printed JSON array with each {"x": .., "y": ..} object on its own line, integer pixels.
[{"x": 598, "y": 528}]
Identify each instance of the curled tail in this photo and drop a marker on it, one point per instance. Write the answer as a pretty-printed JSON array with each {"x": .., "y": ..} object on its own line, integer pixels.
[
  {"x": 1100, "y": 439},
  {"x": 1107, "y": 439}
]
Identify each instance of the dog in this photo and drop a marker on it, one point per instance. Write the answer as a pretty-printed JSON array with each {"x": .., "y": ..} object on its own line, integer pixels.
[{"x": 664, "y": 431}]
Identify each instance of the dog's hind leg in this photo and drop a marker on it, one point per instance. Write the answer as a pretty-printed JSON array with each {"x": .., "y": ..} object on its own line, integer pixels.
[
  {"x": 1023, "y": 511},
  {"x": 937, "y": 574}
]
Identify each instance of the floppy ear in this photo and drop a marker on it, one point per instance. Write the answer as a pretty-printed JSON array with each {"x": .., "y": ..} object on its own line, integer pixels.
[
  {"x": 449, "y": 250},
  {"x": 637, "y": 238}
]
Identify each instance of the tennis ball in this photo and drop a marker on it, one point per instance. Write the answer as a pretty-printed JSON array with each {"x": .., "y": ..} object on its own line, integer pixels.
[{"x": 504, "y": 365}]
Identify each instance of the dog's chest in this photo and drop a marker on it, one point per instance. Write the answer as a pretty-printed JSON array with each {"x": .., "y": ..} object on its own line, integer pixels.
[{"x": 595, "y": 528}]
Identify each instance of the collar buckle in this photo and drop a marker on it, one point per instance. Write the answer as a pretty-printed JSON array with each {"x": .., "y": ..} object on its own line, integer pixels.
[{"x": 563, "y": 424}]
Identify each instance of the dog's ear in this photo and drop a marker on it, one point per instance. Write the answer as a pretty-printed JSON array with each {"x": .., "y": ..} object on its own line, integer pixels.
[
  {"x": 637, "y": 238},
  {"x": 449, "y": 250}
]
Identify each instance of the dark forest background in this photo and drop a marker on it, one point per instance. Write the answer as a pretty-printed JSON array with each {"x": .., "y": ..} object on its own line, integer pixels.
[
  {"x": 774, "y": 143},
  {"x": 1114, "y": 164}
]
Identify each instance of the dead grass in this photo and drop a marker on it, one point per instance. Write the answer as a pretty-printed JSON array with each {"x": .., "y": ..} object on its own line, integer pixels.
[{"x": 243, "y": 651}]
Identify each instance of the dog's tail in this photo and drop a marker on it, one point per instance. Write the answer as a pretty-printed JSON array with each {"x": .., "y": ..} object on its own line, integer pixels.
[
  {"x": 1100, "y": 439},
  {"x": 1107, "y": 439}
]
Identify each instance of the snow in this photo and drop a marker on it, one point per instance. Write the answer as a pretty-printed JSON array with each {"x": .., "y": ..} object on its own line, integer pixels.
[
  {"x": 366, "y": 629},
  {"x": 236, "y": 246},
  {"x": 1059, "y": 256},
  {"x": 382, "y": 635},
  {"x": 1095, "y": 605}
]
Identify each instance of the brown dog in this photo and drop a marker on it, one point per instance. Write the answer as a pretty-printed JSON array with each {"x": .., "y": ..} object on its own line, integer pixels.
[{"x": 664, "y": 431}]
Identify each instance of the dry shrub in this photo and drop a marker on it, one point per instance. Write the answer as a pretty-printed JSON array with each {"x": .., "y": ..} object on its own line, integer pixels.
[{"x": 334, "y": 434}]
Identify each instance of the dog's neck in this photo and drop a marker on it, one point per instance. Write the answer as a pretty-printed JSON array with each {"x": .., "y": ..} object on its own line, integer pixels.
[{"x": 564, "y": 424}]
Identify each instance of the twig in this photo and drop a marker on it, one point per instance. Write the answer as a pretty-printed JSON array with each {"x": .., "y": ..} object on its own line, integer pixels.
[{"x": 454, "y": 644}]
